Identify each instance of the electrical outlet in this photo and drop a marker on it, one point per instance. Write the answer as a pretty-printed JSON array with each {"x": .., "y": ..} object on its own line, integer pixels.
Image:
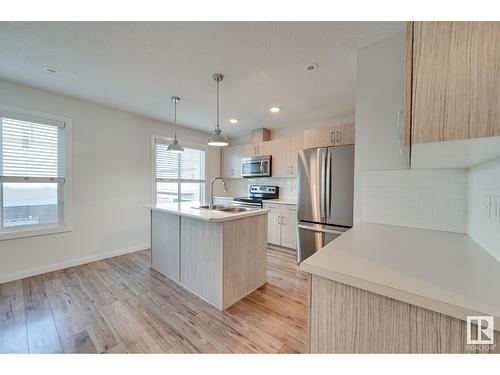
[
  {"x": 487, "y": 206},
  {"x": 497, "y": 203}
]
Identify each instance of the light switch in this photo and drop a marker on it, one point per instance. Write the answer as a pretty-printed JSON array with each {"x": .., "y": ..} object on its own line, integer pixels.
[{"x": 497, "y": 204}]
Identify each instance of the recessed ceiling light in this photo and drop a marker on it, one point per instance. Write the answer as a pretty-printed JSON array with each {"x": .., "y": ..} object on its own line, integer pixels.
[
  {"x": 275, "y": 109},
  {"x": 233, "y": 120},
  {"x": 51, "y": 70},
  {"x": 311, "y": 67}
]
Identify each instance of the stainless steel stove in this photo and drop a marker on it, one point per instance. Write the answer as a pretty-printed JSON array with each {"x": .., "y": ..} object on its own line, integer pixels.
[{"x": 258, "y": 193}]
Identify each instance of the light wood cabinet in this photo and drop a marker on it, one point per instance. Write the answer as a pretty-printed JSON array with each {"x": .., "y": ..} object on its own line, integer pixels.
[
  {"x": 289, "y": 227},
  {"x": 282, "y": 225},
  {"x": 273, "y": 224},
  {"x": 452, "y": 81},
  {"x": 285, "y": 153},
  {"x": 330, "y": 136},
  {"x": 232, "y": 161},
  {"x": 344, "y": 135},
  {"x": 261, "y": 148},
  {"x": 294, "y": 146}
]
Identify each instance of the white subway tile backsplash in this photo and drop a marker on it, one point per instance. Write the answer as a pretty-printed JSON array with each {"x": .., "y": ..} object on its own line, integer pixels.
[
  {"x": 240, "y": 186},
  {"x": 430, "y": 199}
]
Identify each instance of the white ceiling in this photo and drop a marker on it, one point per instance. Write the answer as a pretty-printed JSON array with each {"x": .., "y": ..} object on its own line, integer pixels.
[{"x": 137, "y": 67}]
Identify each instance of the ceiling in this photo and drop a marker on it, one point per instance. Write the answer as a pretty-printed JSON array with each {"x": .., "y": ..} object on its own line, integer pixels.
[{"x": 138, "y": 66}]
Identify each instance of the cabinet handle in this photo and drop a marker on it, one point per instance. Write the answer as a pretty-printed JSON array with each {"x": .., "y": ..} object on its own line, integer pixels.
[
  {"x": 339, "y": 136},
  {"x": 279, "y": 221},
  {"x": 332, "y": 140},
  {"x": 283, "y": 220},
  {"x": 291, "y": 169}
]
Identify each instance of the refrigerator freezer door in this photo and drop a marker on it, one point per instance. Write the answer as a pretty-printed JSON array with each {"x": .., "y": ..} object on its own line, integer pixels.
[
  {"x": 311, "y": 185},
  {"x": 313, "y": 237},
  {"x": 340, "y": 185}
]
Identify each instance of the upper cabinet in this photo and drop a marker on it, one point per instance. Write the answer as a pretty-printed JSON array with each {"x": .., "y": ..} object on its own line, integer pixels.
[
  {"x": 331, "y": 136},
  {"x": 232, "y": 161},
  {"x": 284, "y": 156},
  {"x": 452, "y": 81}
]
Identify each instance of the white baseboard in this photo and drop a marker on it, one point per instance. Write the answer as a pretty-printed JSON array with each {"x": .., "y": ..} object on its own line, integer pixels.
[{"x": 70, "y": 263}]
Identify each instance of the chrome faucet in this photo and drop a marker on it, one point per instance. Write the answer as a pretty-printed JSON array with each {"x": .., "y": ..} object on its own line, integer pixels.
[{"x": 211, "y": 202}]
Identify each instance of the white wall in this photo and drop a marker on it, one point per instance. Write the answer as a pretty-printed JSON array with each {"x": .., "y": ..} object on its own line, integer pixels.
[
  {"x": 484, "y": 181},
  {"x": 111, "y": 183},
  {"x": 379, "y": 97},
  {"x": 428, "y": 199}
]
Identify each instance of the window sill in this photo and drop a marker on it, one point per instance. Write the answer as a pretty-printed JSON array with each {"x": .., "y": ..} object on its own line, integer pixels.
[{"x": 42, "y": 230}]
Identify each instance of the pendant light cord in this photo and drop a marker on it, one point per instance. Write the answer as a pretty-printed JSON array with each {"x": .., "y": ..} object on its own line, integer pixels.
[
  {"x": 217, "y": 104},
  {"x": 175, "y": 119}
]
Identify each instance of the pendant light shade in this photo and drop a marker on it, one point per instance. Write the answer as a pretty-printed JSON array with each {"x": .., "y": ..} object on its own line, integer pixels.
[
  {"x": 217, "y": 138},
  {"x": 175, "y": 146}
]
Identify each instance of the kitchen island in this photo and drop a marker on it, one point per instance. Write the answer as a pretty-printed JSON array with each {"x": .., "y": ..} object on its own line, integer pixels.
[
  {"x": 389, "y": 289},
  {"x": 221, "y": 256}
]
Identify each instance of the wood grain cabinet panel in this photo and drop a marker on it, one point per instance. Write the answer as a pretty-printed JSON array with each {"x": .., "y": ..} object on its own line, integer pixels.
[
  {"x": 344, "y": 135},
  {"x": 322, "y": 137},
  {"x": 165, "y": 242},
  {"x": 455, "y": 80},
  {"x": 338, "y": 135},
  {"x": 345, "y": 319}
]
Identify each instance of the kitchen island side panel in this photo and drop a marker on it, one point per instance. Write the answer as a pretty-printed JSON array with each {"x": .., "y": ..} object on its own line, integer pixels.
[
  {"x": 245, "y": 257},
  {"x": 346, "y": 319},
  {"x": 201, "y": 259},
  {"x": 165, "y": 244}
]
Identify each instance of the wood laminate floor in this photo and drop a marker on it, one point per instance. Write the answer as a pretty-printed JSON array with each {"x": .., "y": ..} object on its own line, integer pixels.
[{"x": 121, "y": 305}]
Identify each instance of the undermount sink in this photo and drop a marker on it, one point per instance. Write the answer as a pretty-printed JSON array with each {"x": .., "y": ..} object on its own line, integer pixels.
[
  {"x": 230, "y": 210},
  {"x": 235, "y": 210}
]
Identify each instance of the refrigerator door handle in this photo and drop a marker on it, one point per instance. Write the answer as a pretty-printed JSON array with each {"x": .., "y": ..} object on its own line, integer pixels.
[
  {"x": 322, "y": 230},
  {"x": 322, "y": 183},
  {"x": 328, "y": 203}
]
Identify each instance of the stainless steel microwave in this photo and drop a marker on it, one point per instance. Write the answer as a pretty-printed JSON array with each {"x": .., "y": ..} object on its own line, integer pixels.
[{"x": 256, "y": 166}]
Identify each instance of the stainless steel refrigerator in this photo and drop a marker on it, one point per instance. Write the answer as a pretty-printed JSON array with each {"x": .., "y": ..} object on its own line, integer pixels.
[{"x": 324, "y": 196}]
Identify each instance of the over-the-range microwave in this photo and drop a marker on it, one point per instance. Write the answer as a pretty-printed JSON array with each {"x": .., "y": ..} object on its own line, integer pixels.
[{"x": 256, "y": 166}]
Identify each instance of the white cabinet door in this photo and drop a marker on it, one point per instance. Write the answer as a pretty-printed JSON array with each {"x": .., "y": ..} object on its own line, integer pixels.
[
  {"x": 227, "y": 161},
  {"x": 294, "y": 145},
  {"x": 231, "y": 157},
  {"x": 289, "y": 227},
  {"x": 274, "y": 224},
  {"x": 280, "y": 158}
]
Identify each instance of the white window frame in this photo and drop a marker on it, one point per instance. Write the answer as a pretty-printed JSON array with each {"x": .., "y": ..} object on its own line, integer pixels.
[
  {"x": 167, "y": 140},
  {"x": 23, "y": 231}
]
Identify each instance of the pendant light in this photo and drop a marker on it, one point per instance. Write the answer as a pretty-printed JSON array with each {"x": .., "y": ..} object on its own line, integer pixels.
[
  {"x": 217, "y": 138},
  {"x": 175, "y": 146}
]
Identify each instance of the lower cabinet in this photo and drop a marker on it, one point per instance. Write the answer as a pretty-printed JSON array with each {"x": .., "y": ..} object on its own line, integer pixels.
[{"x": 282, "y": 225}]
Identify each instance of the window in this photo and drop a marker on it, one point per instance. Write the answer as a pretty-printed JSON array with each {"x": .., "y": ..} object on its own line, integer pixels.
[
  {"x": 179, "y": 177},
  {"x": 32, "y": 172}
]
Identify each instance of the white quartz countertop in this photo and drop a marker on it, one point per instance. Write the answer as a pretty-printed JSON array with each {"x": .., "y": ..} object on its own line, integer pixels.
[
  {"x": 440, "y": 271},
  {"x": 186, "y": 209}
]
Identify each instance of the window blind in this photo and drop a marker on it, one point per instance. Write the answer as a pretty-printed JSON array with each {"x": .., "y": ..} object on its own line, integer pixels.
[
  {"x": 188, "y": 166},
  {"x": 166, "y": 163},
  {"x": 32, "y": 149},
  {"x": 192, "y": 165}
]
